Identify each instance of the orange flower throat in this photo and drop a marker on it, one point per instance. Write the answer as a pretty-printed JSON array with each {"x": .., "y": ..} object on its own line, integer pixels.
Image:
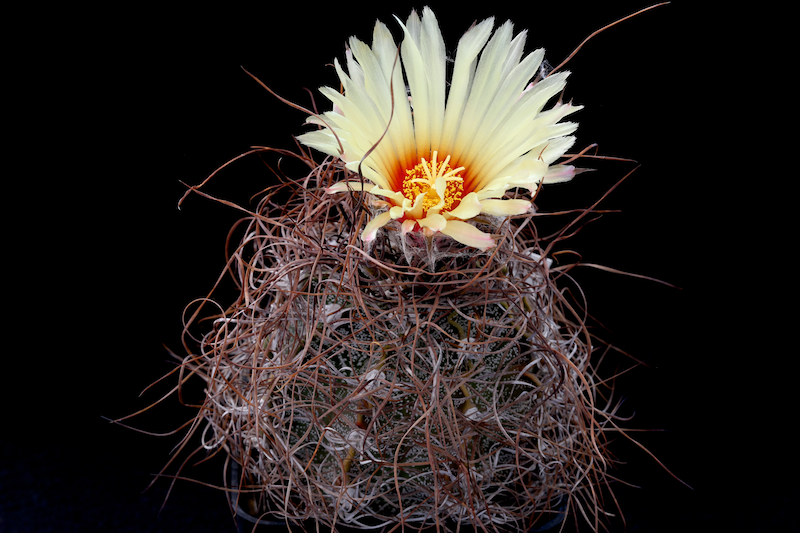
[{"x": 422, "y": 180}]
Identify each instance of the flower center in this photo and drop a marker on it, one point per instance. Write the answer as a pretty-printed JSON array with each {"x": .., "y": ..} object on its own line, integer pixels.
[{"x": 424, "y": 178}]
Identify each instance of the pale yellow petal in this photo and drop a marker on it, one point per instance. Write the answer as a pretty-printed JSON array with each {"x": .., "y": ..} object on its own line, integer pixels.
[
  {"x": 424, "y": 63},
  {"x": 435, "y": 222},
  {"x": 434, "y": 53},
  {"x": 353, "y": 128},
  {"x": 514, "y": 53},
  {"x": 385, "y": 51},
  {"x": 469, "y": 207},
  {"x": 322, "y": 140},
  {"x": 468, "y": 234},
  {"x": 440, "y": 185},
  {"x": 369, "y": 173},
  {"x": 484, "y": 86},
  {"x": 372, "y": 227},
  {"x": 499, "y": 109},
  {"x": 541, "y": 130},
  {"x": 526, "y": 171},
  {"x": 414, "y": 67},
  {"x": 355, "y": 104},
  {"x": 499, "y": 192},
  {"x": 553, "y": 149},
  {"x": 416, "y": 210},
  {"x": 469, "y": 46},
  {"x": 513, "y": 137},
  {"x": 503, "y": 208},
  {"x": 559, "y": 174},
  {"x": 343, "y": 186},
  {"x": 394, "y": 144},
  {"x": 362, "y": 119},
  {"x": 395, "y": 196}
]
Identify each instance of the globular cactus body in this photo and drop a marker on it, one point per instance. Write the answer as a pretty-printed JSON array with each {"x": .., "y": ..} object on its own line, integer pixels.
[{"x": 416, "y": 381}]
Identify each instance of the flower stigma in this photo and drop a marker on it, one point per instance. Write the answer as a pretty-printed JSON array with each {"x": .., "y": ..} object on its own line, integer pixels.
[{"x": 423, "y": 179}]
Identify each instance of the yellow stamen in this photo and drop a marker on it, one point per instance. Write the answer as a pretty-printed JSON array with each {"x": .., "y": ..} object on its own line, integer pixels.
[{"x": 422, "y": 179}]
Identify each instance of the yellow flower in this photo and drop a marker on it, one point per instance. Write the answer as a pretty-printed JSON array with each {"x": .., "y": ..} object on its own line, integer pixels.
[{"x": 448, "y": 154}]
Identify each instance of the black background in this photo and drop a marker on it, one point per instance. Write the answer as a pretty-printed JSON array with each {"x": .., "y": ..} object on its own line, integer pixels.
[{"x": 143, "y": 99}]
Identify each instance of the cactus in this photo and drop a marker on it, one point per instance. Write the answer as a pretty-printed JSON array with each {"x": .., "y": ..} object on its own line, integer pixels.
[
  {"x": 391, "y": 360},
  {"x": 359, "y": 387}
]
